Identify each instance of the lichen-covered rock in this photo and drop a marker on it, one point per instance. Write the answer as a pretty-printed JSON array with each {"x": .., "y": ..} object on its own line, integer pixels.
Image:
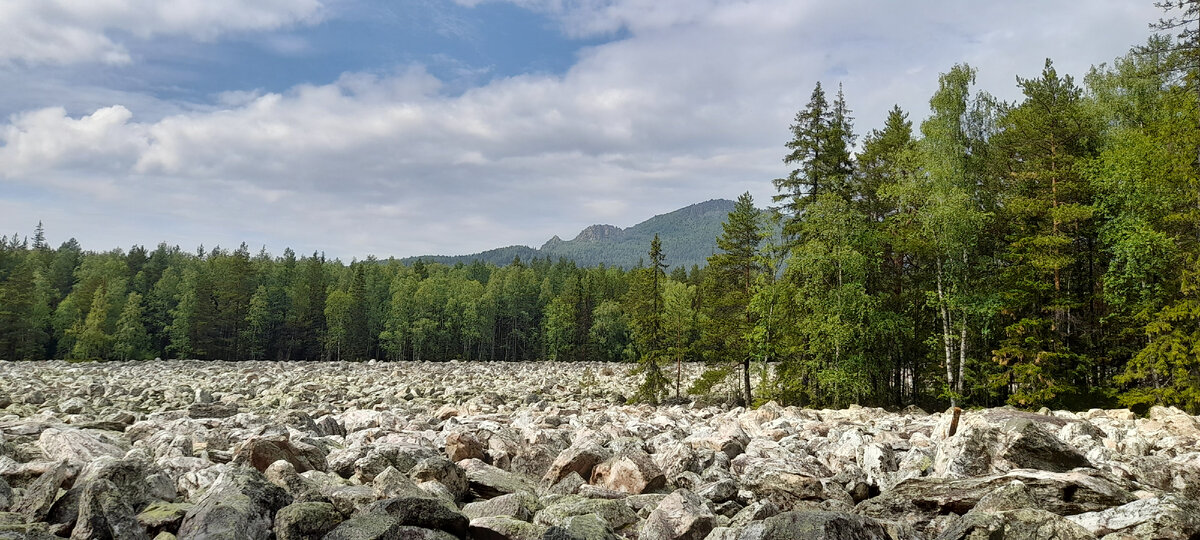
[
  {"x": 241, "y": 504},
  {"x": 1168, "y": 517},
  {"x": 486, "y": 481},
  {"x": 305, "y": 521},
  {"x": 680, "y": 516},
  {"x": 815, "y": 524}
]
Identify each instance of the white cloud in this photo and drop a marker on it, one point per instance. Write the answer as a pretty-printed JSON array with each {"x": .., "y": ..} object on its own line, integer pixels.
[
  {"x": 68, "y": 31},
  {"x": 693, "y": 104}
]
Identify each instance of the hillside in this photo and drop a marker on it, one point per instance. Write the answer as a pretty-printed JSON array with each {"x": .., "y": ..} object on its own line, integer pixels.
[{"x": 688, "y": 236}]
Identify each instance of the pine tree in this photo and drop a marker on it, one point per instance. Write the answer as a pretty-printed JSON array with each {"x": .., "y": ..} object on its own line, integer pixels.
[
  {"x": 130, "y": 340},
  {"x": 646, "y": 304},
  {"x": 820, "y": 147},
  {"x": 1049, "y": 210},
  {"x": 733, "y": 274}
]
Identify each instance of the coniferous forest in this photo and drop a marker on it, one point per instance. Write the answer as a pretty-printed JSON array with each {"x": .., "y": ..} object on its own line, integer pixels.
[{"x": 1040, "y": 252}]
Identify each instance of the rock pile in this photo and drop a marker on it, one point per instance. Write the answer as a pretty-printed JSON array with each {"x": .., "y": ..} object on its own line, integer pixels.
[{"x": 207, "y": 450}]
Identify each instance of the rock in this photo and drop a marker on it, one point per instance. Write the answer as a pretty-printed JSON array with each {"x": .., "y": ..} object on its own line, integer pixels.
[
  {"x": 443, "y": 471},
  {"x": 283, "y": 474},
  {"x": 755, "y": 511},
  {"x": 1020, "y": 524},
  {"x": 239, "y": 505},
  {"x": 422, "y": 512},
  {"x": 392, "y": 483},
  {"x": 1168, "y": 517},
  {"x": 718, "y": 492},
  {"x": 349, "y": 499},
  {"x": 106, "y": 514},
  {"x": 211, "y": 410},
  {"x": 381, "y": 527},
  {"x": 78, "y": 447},
  {"x": 1029, "y": 446},
  {"x": 486, "y": 481},
  {"x": 589, "y": 527},
  {"x": 629, "y": 471},
  {"x": 581, "y": 457},
  {"x": 260, "y": 452},
  {"x": 520, "y": 506},
  {"x": 815, "y": 524},
  {"x": 163, "y": 516},
  {"x": 682, "y": 515},
  {"x": 614, "y": 512},
  {"x": 1073, "y": 492},
  {"x": 40, "y": 495},
  {"x": 505, "y": 528},
  {"x": 6, "y": 495},
  {"x": 463, "y": 445},
  {"x": 72, "y": 405},
  {"x": 328, "y": 425},
  {"x": 306, "y": 521}
]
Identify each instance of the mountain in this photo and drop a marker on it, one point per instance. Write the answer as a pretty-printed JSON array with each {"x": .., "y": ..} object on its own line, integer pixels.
[{"x": 689, "y": 236}]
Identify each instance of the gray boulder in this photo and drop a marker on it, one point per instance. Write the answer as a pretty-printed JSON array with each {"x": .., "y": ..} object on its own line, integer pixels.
[
  {"x": 241, "y": 504},
  {"x": 682, "y": 515},
  {"x": 306, "y": 521}
]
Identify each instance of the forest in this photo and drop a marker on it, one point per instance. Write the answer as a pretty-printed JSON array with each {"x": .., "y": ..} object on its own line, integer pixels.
[{"x": 1038, "y": 253}]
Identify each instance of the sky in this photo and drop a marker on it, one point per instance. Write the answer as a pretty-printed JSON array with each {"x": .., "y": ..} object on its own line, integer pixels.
[{"x": 412, "y": 127}]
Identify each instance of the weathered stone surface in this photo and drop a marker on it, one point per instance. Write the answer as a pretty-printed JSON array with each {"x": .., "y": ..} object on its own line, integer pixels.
[
  {"x": 1169, "y": 517},
  {"x": 629, "y": 471},
  {"x": 260, "y": 452},
  {"x": 520, "y": 506},
  {"x": 487, "y": 481},
  {"x": 1019, "y": 524},
  {"x": 462, "y": 445},
  {"x": 305, "y": 521},
  {"x": 79, "y": 447},
  {"x": 505, "y": 528},
  {"x": 682, "y": 515},
  {"x": 40, "y": 495},
  {"x": 240, "y": 505},
  {"x": 422, "y": 512},
  {"x": 815, "y": 524},
  {"x": 105, "y": 514},
  {"x": 581, "y": 457}
]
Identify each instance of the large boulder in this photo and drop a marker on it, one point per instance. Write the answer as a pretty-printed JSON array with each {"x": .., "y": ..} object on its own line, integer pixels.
[
  {"x": 241, "y": 504},
  {"x": 919, "y": 500},
  {"x": 40, "y": 495},
  {"x": 682, "y": 515},
  {"x": 486, "y": 481},
  {"x": 80, "y": 447},
  {"x": 581, "y": 457},
  {"x": 520, "y": 506},
  {"x": 422, "y": 512},
  {"x": 462, "y": 445},
  {"x": 1168, "y": 517},
  {"x": 261, "y": 451},
  {"x": 105, "y": 514},
  {"x": 1019, "y": 524},
  {"x": 382, "y": 527},
  {"x": 815, "y": 524},
  {"x": 505, "y": 528},
  {"x": 306, "y": 521},
  {"x": 630, "y": 471}
]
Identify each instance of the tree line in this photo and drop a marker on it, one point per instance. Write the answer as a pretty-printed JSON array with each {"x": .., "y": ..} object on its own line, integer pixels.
[{"x": 1044, "y": 252}]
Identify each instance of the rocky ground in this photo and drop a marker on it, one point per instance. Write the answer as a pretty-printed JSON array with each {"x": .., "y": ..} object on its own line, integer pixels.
[{"x": 525, "y": 451}]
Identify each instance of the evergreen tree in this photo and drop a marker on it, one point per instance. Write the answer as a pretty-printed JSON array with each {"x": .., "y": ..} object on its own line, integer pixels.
[
  {"x": 733, "y": 274},
  {"x": 130, "y": 340},
  {"x": 93, "y": 340},
  {"x": 646, "y": 304}
]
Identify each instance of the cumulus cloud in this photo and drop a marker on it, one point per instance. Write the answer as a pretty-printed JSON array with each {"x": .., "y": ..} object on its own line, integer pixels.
[
  {"x": 66, "y": 31},
  {"x": 693, "y": 103}
]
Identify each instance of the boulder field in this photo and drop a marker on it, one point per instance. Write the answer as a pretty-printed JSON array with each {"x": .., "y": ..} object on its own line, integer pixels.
[{"x": 367, "y": 451}]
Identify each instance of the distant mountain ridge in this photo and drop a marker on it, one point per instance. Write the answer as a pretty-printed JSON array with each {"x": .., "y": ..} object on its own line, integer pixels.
[{"x": 689, "y": 237}]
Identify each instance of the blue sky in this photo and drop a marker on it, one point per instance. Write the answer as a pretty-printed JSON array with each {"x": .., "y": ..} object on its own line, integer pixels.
[{"x": 359, "y": 127}]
